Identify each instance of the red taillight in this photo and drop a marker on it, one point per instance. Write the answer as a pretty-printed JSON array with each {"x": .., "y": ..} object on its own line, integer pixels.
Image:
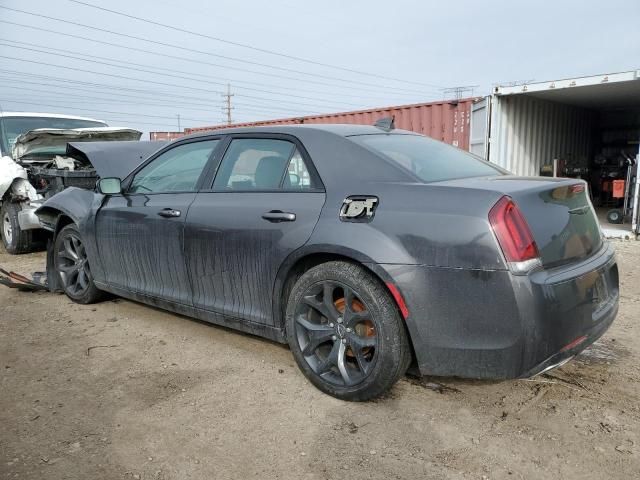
[{"x": 512, "y": 231}]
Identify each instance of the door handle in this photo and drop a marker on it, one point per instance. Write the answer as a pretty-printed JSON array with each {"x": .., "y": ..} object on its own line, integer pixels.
[
  {"x": 169, "y": 213},
  {"x": 276, "y": 216}
]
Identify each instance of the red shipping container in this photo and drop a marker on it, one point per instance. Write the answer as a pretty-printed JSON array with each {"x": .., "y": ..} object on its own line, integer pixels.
[
  {"x": 618, "y": 189},
  {"x": 446, "y": 120}
]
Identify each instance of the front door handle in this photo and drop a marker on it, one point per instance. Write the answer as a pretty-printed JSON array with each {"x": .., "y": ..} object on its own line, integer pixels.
[
  {"x": 276, "y": 216},
  {"x": 169, "y": 213}
]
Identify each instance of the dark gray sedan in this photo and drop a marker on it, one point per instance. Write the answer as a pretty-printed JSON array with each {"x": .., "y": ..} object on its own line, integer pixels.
[{"x": 366, "y": 249}]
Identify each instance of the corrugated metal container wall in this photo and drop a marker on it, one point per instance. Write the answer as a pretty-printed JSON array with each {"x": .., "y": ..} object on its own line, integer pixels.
[
  {"x": 447, "y": 121},
  {"x": 528, "y": 132},
  {"x": 165, "y": 136}
]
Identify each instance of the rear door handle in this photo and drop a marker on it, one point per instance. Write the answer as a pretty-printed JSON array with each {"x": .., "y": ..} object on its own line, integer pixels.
[
  {"x": 276, "y": 216},
  {"x": 169, "y": 213}
]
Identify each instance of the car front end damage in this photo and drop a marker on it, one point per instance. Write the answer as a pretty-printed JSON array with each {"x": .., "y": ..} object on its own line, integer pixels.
[{"x": 40, "y": 167}]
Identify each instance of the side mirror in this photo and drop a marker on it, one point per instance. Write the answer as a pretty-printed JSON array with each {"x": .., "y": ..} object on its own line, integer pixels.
[{"x": 110, "y": 186}]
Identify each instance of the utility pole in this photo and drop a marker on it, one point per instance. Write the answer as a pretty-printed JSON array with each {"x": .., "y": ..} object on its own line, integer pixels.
[
  {"x": 179, "y": 129},
  {"x": 227, "y": 108}
]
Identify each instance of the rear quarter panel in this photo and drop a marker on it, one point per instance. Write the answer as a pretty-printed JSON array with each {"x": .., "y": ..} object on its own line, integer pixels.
[{"x": 415, "y": 224}]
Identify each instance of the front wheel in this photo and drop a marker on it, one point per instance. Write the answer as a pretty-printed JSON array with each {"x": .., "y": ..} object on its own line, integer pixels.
[
  {"x": 72, "y": 267},
  {"x": 345, "y": 332},
  {"x": 14, "y": 239}
]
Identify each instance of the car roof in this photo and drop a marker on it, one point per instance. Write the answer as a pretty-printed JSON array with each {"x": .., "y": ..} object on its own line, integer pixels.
[
  {"x": 47, "y": 115},
  {"x": 340, "y": 129}
]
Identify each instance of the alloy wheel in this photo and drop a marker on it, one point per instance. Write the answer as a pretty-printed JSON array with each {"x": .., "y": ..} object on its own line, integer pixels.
[
  {"x": 72, "y": 265},
  {"x": 336, "y": 333}
]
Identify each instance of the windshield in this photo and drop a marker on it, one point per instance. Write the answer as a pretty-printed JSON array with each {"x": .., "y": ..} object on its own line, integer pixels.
[
  {"x": 428, "y": 159},
  {"x": 13, "y": 127}
]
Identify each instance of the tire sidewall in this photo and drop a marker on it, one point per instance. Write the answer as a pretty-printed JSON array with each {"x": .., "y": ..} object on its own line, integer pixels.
[
  {"x": 11, "y": 209},
  {"x": 392, "y": 349},
  {"x": 92, "y": 293}
]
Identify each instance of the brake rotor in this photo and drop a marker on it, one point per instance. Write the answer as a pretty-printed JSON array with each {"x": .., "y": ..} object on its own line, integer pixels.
[{"x": 363, "y": 329}]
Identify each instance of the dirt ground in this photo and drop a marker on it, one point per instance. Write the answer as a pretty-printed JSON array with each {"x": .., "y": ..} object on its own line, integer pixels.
[{"x": 121, "y": 390}]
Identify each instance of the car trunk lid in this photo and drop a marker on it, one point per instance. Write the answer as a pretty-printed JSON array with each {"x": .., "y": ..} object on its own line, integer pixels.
[{"x": 558, "y": 211}]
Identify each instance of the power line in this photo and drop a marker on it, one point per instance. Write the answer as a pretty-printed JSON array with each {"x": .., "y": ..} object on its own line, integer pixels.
[
  {"x": 201, "y": 62},
  {"x": 217, "y": 92},
  {"x": 251, "y": 47},
  {"x": 109, "y": 101},
  {"x": 100, "y": 85},
  {"x": 118, "y": 88},
  {"x": 104, "y": 111},
  {"x": 204, "y": 52},
  {"x": 122, "y": 97},
  {"x": 145, "y": 70}
]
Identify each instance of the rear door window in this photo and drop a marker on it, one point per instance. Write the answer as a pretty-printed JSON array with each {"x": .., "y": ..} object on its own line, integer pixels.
[
  {"x": 428, "y": 159},
  {"x": 262, "y": 164}
]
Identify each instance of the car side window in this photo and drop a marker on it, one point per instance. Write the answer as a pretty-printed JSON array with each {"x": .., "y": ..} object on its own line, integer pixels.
[
  {"x": 262, "y": 164},
  {"x": 298, "y": 177},
  {"x": 176, "y": 170}
]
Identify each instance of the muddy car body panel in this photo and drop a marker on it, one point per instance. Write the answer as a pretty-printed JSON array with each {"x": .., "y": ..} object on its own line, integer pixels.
[{"x": 470, "y": 309}]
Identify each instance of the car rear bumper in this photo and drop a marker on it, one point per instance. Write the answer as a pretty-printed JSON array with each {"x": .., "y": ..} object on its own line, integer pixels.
[{"x": 493, "y": 324}]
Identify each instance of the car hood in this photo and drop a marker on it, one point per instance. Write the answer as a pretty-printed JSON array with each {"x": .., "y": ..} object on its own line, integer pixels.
[
  {"x": 53, "y": 140},
  {"x": 113, "y": 159}
]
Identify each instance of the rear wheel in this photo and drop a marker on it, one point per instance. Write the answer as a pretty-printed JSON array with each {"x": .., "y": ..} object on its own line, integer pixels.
[
  {"x": 72, "y": 267},
  {"x": 345, "y": 332},
  {"x": 14, "y": 239}
]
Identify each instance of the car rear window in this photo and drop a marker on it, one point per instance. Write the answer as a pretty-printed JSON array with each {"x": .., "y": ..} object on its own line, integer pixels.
[{"x": 428, "y": 159}]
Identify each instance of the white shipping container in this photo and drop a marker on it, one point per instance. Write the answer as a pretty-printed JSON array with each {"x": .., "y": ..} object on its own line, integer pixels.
[{"x": 523, "y": 127}]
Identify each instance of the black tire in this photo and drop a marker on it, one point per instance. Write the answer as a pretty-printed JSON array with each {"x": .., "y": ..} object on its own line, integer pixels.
[
  {"x": 345, "y": 332},
  {"x": 14, "y": 239},
  {"x": 72, "y": 267},
  {"x": 615, "y": 216}
]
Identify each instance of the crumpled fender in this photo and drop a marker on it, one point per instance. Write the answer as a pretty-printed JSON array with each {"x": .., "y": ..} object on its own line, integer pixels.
[
  {"x": 80, "y": 206},
  {"x": 10, "y": 171},
  {"x": 75, "y": 203}
]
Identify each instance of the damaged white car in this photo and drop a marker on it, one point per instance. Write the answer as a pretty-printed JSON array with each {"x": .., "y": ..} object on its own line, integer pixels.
[{"x": 34, "y": 165}]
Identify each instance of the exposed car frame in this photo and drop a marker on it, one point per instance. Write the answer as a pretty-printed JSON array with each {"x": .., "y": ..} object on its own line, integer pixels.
[{"x": 29, "y": 173}]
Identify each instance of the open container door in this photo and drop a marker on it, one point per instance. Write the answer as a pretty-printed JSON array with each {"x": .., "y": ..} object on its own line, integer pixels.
[
  {"x": 479, "y": 128},
  {"x": 588, "y": 126}
]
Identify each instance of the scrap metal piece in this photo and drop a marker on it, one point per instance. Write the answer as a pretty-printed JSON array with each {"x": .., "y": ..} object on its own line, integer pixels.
[{"x": 38, "y": 282}]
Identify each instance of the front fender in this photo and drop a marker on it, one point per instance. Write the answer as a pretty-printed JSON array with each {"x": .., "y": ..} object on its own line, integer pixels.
[
  {"x": 75, "y": 203},
  {"x": 80, "y": 206}
]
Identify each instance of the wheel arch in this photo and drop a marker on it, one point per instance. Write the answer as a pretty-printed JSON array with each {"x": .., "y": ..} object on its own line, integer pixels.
[
  {"x": 54, "y": 219},
  {"x": 305, "y": 259}
]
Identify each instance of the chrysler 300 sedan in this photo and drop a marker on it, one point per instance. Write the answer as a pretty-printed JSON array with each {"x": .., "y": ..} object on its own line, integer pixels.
[{"x": 366, "y": 249}]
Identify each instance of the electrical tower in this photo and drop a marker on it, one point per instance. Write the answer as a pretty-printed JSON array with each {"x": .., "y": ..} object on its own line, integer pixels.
[
  {"x": 227, "y": 101},
  {"x": 459, "y": 92}
]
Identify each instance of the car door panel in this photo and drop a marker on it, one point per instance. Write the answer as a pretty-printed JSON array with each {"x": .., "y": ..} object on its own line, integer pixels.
[
  {"x": 233, "y": 254},
  {"x": 140, "y": 234},
  {"x": 142, "y": 250}
]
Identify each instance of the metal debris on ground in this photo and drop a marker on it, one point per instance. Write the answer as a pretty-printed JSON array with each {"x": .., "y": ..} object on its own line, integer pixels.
[{"x": 37, "y": 282}]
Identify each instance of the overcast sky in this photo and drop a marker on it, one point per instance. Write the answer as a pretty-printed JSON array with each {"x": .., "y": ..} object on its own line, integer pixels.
[{"x": 386, "y": 53}]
